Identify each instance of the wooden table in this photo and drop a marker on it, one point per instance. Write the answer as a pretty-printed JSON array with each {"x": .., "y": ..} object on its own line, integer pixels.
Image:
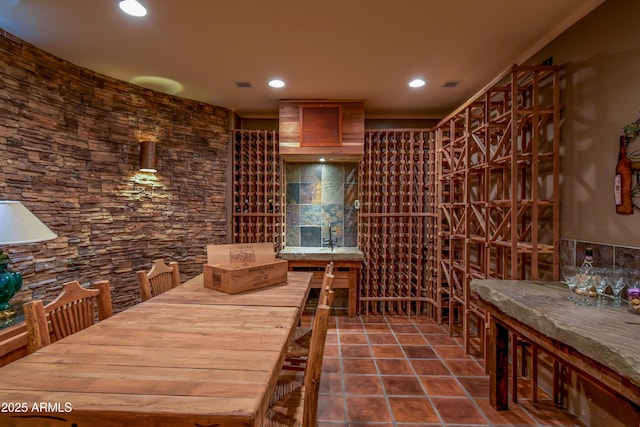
[
  {"x": 188, "y": 357},
  {"x": 294, "y": 294},
  {"x": 599, "y": 343}
]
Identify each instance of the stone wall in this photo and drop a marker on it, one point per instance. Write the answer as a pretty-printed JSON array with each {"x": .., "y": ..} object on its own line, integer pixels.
[{"x": 69, "y": 151}]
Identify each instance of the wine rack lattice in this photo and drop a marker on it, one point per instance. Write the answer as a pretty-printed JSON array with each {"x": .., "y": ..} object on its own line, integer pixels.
[
  {"x": 392, "y": 217},
  {"x": 496, "y": 209},
  {"x": 258, "y": 195}
]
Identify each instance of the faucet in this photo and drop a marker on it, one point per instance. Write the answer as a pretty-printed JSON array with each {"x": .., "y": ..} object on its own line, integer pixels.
[
  {"x": 330, "y": 238},
  {"x": 330, "y": 242}
]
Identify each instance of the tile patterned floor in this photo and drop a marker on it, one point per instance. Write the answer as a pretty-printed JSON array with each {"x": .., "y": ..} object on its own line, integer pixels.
[{"x": 400, "y": 372}]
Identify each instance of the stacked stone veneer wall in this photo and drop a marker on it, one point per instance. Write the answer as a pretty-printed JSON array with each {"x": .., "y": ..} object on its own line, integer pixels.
[{"x": 69, "y": 151}]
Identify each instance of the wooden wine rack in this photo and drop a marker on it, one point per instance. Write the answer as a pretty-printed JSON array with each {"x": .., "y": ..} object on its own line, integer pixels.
[
  {"x": 436, "y": 292},
  {"x": 495, "y": 213},
  {"x": 258, "y": 188},
  {"x": 392, "y": 222}
]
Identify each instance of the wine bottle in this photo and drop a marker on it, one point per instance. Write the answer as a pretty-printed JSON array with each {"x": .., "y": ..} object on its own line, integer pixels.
[
  {"x": 587, "y": 263},
  {"x": 586, "y": 278},
  {"x": 622, "y": 187}
]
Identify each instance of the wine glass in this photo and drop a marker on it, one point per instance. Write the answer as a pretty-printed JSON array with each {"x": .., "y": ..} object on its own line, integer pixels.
[
  {"x": 569, "y": 274},
  {"x": 602, "y": 281},
  {"x": 585, "y": 285},
  {"x": 620, "y": 278}
]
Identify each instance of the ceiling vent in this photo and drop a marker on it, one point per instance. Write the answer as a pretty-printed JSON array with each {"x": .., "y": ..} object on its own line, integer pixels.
[
  {"x": 243, "y": 84},
  {"x": 451, "y": 83}
]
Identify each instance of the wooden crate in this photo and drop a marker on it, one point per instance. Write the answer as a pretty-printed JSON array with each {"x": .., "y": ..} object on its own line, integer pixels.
[
  {"x": 233, "y": 279},
  {"x": 242, "y": 267}
]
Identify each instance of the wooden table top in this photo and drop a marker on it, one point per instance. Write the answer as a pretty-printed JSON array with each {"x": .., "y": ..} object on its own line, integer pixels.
[
  {"x": 173, "y": 361},
  {"x": 293, "y": 293}
]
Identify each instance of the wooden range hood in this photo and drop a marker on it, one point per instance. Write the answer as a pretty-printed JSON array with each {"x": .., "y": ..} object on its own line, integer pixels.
[{"x": 314, "y": 129}]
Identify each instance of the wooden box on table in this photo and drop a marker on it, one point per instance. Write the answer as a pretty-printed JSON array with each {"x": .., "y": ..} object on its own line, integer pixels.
[{"x": 242, "y": 267}]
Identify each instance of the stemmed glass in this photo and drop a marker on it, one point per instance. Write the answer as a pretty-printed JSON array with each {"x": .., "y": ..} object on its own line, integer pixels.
[
  {"x": 602, "y": 280},
  {"x": 570, "y": 276},
  {"x": 620, "y": 279},
  {"x": 585, "y": 284}
]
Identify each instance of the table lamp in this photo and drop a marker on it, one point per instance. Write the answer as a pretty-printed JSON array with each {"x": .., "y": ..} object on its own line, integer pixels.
[{"x": 17, "y": 226}]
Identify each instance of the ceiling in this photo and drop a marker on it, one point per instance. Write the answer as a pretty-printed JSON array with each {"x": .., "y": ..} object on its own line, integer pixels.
[{"x": 324, "y": 49}]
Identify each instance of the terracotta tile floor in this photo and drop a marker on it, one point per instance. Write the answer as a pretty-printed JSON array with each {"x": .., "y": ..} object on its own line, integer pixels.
[{"x": 399, "y": 371}]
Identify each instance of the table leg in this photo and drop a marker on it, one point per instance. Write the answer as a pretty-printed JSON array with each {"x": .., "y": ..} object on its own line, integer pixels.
[
  {"x": 498, "y": 363},
  {"x": 514, "y": 367},
  {"x": 353, "y": 291}
]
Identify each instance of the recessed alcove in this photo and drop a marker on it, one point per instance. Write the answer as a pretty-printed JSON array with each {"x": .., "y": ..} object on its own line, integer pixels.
[{"x": 319, "y": 194}]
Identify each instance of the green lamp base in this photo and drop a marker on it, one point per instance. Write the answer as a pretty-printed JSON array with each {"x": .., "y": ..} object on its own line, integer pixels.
[
  {"x": 10, "y": 283},
  {"x": 8, "y": 313}
]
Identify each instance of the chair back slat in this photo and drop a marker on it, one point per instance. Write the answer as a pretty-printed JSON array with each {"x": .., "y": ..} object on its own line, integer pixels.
[
  {"x": 327, "y": 288},
  {"x": 72, "y": 311},
  {"x": 159, "y": 279},
  {"x": 327, "y": 283},
  {"x": 161, "y": 283},
  {"x": 73, "y": 317},
  {"x": 313, "y": 369}
]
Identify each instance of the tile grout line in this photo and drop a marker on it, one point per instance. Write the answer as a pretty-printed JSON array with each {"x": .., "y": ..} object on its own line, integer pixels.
[
  {"x": 467, "y": 394},
  {"x": 340, "y": 332},
  {"x": 415, "y": 374},
  {"x": 343, "y": 389},
  {"x": 379, "y": 375}
]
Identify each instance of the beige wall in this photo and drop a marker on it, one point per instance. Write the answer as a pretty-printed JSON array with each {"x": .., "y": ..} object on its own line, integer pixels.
[
  {"x": 601, "y": 56},
  {"x": 601, "y": 94}
]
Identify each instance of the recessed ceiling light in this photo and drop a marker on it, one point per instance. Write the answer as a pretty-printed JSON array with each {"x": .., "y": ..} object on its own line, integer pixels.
[
  {"x": 276, "y": 83},
  {"x": 417, "y": 83},
  {"x": 321, "y": 159},
  {"x": 132, "y": 7}
]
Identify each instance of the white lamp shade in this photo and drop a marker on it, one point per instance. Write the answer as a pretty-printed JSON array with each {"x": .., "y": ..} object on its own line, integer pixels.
[{"x": 18, "y": 225}]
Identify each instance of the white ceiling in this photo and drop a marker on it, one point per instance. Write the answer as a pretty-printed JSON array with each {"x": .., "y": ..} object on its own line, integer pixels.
[{"x": 323, "y": 49}]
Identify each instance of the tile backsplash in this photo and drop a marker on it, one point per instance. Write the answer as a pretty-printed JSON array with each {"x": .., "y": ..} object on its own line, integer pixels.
[
  {"x": 319, "y": 194},
  {"x": 572, "y": 252},
  {"x": 604, "y": 255}
]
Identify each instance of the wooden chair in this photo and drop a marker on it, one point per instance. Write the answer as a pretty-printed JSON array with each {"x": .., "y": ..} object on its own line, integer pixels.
[
  {"x": 73, "y": 310},
  {"x": 304, "y": 333},
  {"x": 299, "y": 348},
  {"x": 295, "y": 402},
  {"x": 159, "y": 279}
]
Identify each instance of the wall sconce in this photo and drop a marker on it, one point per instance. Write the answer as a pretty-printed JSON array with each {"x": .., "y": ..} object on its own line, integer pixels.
[{"x": 148, "y": 156}]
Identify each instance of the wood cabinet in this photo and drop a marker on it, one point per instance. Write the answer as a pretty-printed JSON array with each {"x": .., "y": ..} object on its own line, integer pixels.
[
  {"x": 310, "y": 129},
  {"x": 320, "y": 125}
]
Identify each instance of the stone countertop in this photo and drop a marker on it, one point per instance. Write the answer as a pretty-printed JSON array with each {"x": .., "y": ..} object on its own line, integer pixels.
[
  {"x": 299, "y": 253},
  {"x": 608, "y": 335}
]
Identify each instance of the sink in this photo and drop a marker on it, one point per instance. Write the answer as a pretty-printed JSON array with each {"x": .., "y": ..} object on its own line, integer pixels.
[
  {"x": 298, "y": 252},
  {"x": 328, "y": 250}
]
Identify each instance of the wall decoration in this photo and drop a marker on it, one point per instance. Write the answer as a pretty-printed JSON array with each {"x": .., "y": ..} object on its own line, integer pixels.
[{"x": 631, "y": 131}]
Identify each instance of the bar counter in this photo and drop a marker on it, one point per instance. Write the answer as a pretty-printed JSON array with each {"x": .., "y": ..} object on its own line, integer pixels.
[
  {"x": 347, "y": 262},
  {"x": 602, "y": 344}
]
